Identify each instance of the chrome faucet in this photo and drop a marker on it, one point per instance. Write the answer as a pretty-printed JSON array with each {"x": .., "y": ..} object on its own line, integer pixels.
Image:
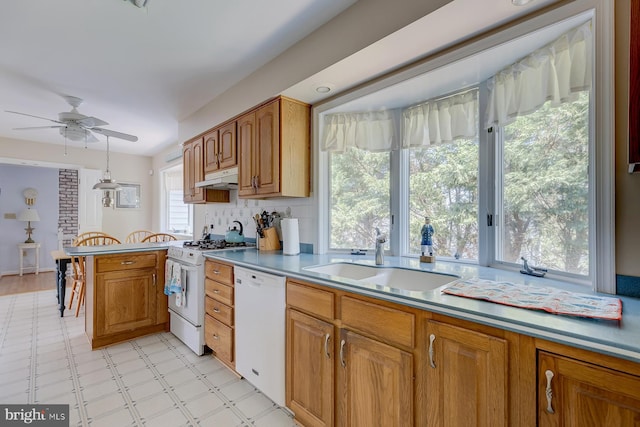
[{"x": 380, "y": 240}]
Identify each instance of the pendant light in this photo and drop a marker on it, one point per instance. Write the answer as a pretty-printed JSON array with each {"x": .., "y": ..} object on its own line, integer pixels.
[{"x": 107, "y": 185}]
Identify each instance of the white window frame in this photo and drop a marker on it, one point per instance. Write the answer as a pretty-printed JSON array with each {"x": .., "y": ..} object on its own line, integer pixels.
[
  {"x": 164, "y": 204},
  {"x": 602, "y": 138}
]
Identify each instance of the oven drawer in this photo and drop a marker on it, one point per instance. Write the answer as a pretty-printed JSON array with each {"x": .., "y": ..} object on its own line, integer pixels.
[
  {"x": 219, "y": 311},
  {"x": 220, "y": 272},
  {"x": 218, "y": 291},
  {"x": 219, "y": 338},
  {"x": 125, "y": 262}
]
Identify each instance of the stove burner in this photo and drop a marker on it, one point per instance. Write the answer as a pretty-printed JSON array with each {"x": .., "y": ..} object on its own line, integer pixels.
[{"x": 213, "y": 244}]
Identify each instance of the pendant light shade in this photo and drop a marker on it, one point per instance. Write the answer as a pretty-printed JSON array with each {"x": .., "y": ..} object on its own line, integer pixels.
[{"x": 107, "y": 184}]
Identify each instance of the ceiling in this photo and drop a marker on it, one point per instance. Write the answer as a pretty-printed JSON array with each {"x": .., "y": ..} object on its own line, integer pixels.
[{"x": 143, "y": 70}]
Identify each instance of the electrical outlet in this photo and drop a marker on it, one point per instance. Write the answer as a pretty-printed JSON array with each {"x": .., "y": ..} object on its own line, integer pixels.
[{"x": 10, "y": 216}]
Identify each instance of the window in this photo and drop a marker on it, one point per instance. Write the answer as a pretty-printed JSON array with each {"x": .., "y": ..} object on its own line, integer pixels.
[
  {"x": 544, "y": 202},
  {"x": 515, "y": 179},
  {"x": 178, "y": 215},
  {"x": 359, "y": 198}
]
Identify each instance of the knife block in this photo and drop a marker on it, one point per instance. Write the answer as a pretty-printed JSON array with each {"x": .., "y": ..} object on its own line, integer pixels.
[{"x": 270, "y": 241}]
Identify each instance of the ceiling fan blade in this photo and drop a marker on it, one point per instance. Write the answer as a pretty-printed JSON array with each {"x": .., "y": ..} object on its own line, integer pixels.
[
  {"x": 40, "y": 127},
  {"x": 31, "y": 115},
  {"x": 91, "y": 122},
  {"x": 91, "y": 137},
  {"x": 115, "y": 134}
]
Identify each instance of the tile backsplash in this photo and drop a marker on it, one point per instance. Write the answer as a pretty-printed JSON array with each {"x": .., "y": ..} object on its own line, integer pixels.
[{"x": 222, "y": 215}]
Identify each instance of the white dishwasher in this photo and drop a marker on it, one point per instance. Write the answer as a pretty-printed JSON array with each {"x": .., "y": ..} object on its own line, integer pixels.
[{"x": 260, "y": 331}]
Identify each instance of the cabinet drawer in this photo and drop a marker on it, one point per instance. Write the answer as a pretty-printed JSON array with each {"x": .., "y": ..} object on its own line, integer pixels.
[
  {"x": 219, "y": 338},
  {"x": 311, "y": 300},
  {"x": 220, "y": 272},
  {"x": 125, "y": 262},
  {"x": 389, "y": 324},
  {"x": 219, "y": 311},
  {"x": 218, "y": 291}
]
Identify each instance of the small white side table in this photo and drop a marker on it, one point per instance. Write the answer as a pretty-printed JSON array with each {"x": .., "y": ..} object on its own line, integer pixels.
[{"x": 24, "y": 246}]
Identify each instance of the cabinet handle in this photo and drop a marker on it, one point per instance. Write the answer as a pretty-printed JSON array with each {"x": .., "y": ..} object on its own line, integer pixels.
[
  {"x": 127, "y": 262},
  {"x": 432, "y": 338},
  {"x": 342, "y": 362},
  {"x": 216, "y": 291},
  {"x": 326, "y": 345},
  {"x": 154, "y": 279},
  {"x": 216, "y": 310},
  {"x": 215, "y": 337},
  {"x": 548, "y": 391},
  {"x": 216, "y": 271}
]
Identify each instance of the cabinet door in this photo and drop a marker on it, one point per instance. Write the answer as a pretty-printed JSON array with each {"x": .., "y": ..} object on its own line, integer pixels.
[
  {"x": 375, "y": 383},
  {"x": 227, "y": 146},
  {"x": 125, "y": 300},
  {"x": 188, "y": 182},
  {"x": 579, "y": 394},
  {"x": 198, "y": 170},
  {"x": 310, "y": 361},
  {"x": 246, "y": 169},
  {"x": 211, "y": 152},
  {"x": 466, "y": 377},
  {"x": 267, "y": 148}
]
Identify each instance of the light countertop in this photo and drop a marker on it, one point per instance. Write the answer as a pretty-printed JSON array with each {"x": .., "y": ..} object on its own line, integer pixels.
[
  {"x": 120, "y": 248},
  {"x": 616, "y": 338}
]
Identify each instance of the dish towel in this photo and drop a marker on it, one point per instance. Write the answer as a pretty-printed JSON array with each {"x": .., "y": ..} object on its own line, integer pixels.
[
  {"x": 173, "y": 280},
  {"x": 532, "y": 297}
]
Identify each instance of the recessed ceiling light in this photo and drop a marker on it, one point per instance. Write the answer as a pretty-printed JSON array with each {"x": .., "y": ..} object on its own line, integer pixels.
[
  {"x": 519, "y": 2},
  {"x": 323, "y": 89}
]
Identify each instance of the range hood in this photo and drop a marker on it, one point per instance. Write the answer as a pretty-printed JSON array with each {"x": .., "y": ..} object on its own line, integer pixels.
[{"x": 226, "y": 179}]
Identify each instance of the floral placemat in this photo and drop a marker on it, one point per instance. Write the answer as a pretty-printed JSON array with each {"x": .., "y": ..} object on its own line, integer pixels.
[{"x": 532, "y": 297}]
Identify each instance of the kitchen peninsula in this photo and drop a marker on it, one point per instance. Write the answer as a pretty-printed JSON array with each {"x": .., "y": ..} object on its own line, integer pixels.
[{"x": 124, "y": 291}]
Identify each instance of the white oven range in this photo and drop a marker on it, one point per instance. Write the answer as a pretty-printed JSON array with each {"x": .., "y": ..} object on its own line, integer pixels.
[{"x": 187, "y": 315}]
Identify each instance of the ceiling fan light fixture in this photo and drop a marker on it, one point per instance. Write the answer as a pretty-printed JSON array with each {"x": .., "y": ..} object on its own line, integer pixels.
[{"x": 74, "y": 133}]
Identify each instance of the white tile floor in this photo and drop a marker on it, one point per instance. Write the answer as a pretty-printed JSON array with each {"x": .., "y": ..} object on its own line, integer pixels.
[{"x": 151, "y": 381}]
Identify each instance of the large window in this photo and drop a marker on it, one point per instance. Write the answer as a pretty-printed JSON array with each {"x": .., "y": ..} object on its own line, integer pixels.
[
  {"x": 443, "y": 186},
  {"x": 178, "y": 216},
  {"x": 359, "y": 198},
  {"x": 504, "y": 170},
  {"x": 544, "y": 202}
]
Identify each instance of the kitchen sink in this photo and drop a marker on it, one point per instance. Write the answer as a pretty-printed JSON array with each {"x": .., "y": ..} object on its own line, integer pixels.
[{"x": 390, "y": 277}]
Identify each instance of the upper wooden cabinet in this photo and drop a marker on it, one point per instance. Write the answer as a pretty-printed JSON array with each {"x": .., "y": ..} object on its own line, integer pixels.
[
  {"x": 193, "y": 172},
  {"x": 220, "y": 148},
  {"x": 274, "y": 147}
]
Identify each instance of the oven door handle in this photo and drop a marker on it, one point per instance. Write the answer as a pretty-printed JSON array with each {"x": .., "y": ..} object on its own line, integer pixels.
[{"x": 183, "y": 267}]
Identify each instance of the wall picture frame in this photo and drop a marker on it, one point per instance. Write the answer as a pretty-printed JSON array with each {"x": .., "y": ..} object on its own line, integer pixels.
[{"x": 128, "y": 197}]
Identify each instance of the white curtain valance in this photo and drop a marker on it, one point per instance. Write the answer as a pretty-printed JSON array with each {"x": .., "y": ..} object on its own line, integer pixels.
[
  {"x": 442, "y": 120},
  {"x": 370, "y": 131},
  {"x": 553, "y": 73}
]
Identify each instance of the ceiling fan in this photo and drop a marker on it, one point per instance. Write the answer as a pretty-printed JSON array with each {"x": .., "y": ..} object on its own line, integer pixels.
[{"x": 77, "y": 127}]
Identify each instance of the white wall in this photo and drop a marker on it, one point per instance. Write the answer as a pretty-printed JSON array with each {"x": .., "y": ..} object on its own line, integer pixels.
[
  {"x": 14, "y": 180},
  {"x": 126, "y": 168},
  {"x": 353, "y": 30}
]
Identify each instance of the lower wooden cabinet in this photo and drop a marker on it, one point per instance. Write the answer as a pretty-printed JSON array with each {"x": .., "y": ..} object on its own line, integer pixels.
[
  {"x": 124, "y": 297},
  {"x": 466, "y": 377},
  {"x": 371, "y": 375},
  {"x": 219, "y": 333},
  {"x": 574, "y": 393},
  {"x": 310, "y": 360},
  {"x": 375, "y": 383}
]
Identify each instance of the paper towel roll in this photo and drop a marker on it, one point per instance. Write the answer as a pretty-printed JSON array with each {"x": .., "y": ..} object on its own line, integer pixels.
[{"x": 290, "y": 236}]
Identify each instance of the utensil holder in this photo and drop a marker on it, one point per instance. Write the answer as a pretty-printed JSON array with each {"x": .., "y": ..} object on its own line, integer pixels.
[{"x": 270, "y": 241}]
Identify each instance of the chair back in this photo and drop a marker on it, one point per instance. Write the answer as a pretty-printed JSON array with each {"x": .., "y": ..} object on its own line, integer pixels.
[
  {"x": 98, "y": 241},
  {"x": 159, "y": 237},
  {"x": 137, "y": 236},
  {"x": 83, "y": 236}
]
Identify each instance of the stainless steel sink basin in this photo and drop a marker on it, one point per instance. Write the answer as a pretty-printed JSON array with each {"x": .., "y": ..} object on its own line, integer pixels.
[{"x": 389, "y": 277}]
